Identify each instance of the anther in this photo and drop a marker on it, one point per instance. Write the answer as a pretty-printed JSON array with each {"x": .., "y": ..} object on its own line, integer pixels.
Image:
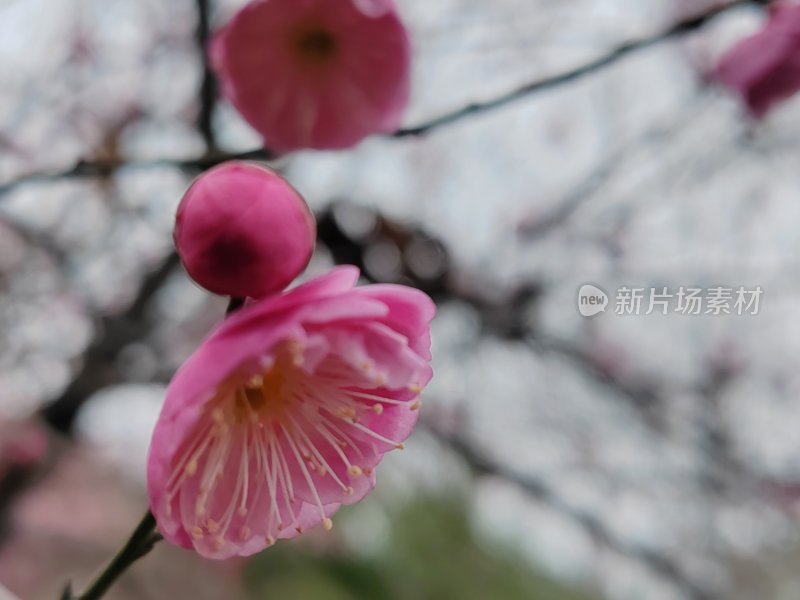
[
  {"x": 346, "y": 412},
  {"x": 212, "y": 526},
  {"x": 327, "y": 524},
  {"x": 377, "y": 408},
  {"x": 415, "y": 405},
  {"x": 191, "y": 467},
  {"x": 354, "y": 471},
  {"x": 197, "y": 533}
]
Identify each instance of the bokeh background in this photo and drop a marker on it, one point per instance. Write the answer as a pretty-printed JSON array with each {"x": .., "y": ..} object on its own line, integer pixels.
[{"x": 548, "y": 144}]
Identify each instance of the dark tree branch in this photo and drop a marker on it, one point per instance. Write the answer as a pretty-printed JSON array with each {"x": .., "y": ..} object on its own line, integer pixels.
[
  {"x": 107, "y": 168},
  {"x": 141, "y": 542},
  {"x": 99, "y": 368},
  {"x": 482, "y": 464},
  {"x": 532, "y": 230},
  {"x": 679, "y": 29},
  {"x": 104, "y": 169},
  {"x": 208, "y": 87}
]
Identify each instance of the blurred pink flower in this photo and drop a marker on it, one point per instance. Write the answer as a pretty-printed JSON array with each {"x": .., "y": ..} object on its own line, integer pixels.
[
  {"x": 22, "y": 444},
  {"x": 284, "y": 411},
  {"x": 315, "y": 73},
  {"x": 765, "y": 67},
  {"x": 242, "y": 230}
]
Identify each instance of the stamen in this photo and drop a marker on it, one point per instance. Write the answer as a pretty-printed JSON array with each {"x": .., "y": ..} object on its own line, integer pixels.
[
  {"x": 304, "y": 470},
  {"x": 284, "y": 477},
  {"x": 325, "y": 421},
  {"x": 227, "y": 516},
  {"x": 374, "y": 397},
  {"x": 324, "y": 466},
  {"x": 296, "y": 351},
  {"x": 246, "y": 468},
  {"x": 284, "y": 471},
  {"x": 334, "y": 443},
  {"x": 194, "y": 449},
  {"x": 346, "y": 412},
  {"x": 215, "y": 463},
  {"x": 378, "y": 436},
  {"x": 263, "y": 465}
]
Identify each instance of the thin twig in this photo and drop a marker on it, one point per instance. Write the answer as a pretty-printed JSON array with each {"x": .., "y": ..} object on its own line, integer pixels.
[
  {"x": 208, "y": 87},
  {"x": 107, "y": 168},
  {"x": 680, "y": 28},
  {"x": 138, "y": 545}
]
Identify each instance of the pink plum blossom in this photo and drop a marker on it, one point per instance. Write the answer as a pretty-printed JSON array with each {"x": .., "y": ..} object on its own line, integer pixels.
[
  {"x": 242, "y": 230},
  {"x": 22, "y": 444},
  {"x": 315, "y": 73},
  {"x": 283, "y": 413},
  {"x": 765, "y": 67}
]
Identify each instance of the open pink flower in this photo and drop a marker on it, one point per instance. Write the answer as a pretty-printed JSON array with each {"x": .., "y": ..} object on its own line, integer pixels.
[
  {"x": 765, "y": 67},
  {"x": 315, "y": 73},
  {"x": 242, "y": 230},
  {"x": 284, "y": 411}
]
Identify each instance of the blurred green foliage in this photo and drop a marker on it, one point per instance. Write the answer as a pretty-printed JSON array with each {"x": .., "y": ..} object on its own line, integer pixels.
[{"x": 431, "y": 554}]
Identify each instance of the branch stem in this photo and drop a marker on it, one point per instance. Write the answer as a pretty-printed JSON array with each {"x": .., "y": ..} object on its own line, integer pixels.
[{"x": 139, "y": 544}]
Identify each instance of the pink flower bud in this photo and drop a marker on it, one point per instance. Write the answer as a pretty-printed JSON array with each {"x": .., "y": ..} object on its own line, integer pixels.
[
  {"x": 765, "y": 67},
  {"x": 242, "y": 230},
  {"x": 315, "y": 74}
]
